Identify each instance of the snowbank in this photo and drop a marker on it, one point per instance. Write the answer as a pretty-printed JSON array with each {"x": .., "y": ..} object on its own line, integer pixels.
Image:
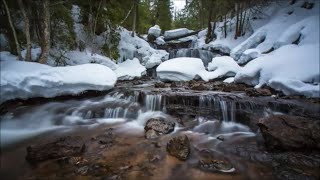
[
  {"x": 223, "y": 66},
  {"x": 180, "y": 69},
  {"x": 25, "y": 80},
  {"x": 290, "y": 63},
  {"x": 130, "y": 69},
  {"x": 155, "y": 31},
  {"x": 248, "y": 55},
  {"x": 131, "y": 47},
  {"x": 286, "y": 18},
  {"x": 176, "y": 32}
]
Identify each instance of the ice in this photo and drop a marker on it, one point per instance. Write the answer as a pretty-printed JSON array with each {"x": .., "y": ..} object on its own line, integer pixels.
[{"x": 130, "y": 69}]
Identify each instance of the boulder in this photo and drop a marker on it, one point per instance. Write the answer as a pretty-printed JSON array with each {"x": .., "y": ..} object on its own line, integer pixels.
[
  {"x": 155, "y": 31},
  {"x": 284, "y": 132},
  {"x": 179, "y": 147},
  {"x": 158, "y": 126},
  {"x": 62, "y": 147}
]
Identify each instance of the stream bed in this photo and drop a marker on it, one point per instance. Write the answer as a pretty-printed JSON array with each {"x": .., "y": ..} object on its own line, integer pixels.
[{"x": 224, "y": 141}]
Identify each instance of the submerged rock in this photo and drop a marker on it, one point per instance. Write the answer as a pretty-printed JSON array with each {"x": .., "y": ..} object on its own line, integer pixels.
[
  {"x": 179, "y": 147},
  {"x": 157, "y": 126},
  {"x": 284, "y": 132},
  {"x": 63, "y": 147}
]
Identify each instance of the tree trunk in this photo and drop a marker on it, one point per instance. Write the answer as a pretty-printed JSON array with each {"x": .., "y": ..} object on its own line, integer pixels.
[
  {"x": 243, "y": 21},
  {"x": 134, "y": 17},
  {"x": 26, "y": 29},
  {"x": 45, "y": 44},
  {"x": 237, "y": 21},
  {"x": 240, "y": 20},
  {"x": 225, "y": 26},
  {"x": 13, "y": 30},
  {"x": 209, "y": 33}
]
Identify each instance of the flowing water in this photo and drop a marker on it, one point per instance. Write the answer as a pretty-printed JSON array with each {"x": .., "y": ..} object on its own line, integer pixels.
[{"x": 204, "y": 117}]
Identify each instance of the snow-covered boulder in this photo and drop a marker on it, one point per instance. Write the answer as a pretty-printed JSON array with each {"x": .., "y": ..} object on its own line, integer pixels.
[
  {"x": 175, "y": 32},
  {"x": 160, "y": 41},
  {"x": 220, "y": 67},
  {"x": 180, "y": 69},
  {"x": 291, "y": 64},
  {"x": 248, "y": 55},
  {"x": 155, "y": 31},
  {"x": 131, "y": 47},
  {"x": 219, "y": 48},
  {"x": 130, "y": 69},
  {"x": 229, "y": 80},
  {"x": 25, "y": 80}
]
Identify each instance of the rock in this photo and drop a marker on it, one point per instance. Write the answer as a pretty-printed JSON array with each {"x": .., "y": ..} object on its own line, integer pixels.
[
  {"x": 284, "y": 132},
  {"x": 151, "y": 134},
  {"x": 221, "y": 138},
  {"x": 83, "y": 170},
  {"x": 216, "y": 165},
  {"x": 264, "y": 92},
  {"x": 179, "y": 147},
  {"x": 157, "y": 126},
  {"x": 159, "y": 85},
  {"x": 173, "y": 84},
  {"x": 63, "y": 147},
  {"x": 154, "y": 31},
  {"x": 198, "y": 87}
]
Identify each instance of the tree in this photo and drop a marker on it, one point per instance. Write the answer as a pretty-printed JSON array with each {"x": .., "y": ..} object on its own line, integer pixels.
[
  {"x": 26, "y": 29},
  {"x": 45, "y": 44},
  {"x": 13, "y": 30},
  {"x": 135, "y": 13}
]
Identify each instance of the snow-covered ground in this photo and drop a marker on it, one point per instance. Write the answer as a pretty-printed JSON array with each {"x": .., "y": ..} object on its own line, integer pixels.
[{"x": 25, "y": 80}]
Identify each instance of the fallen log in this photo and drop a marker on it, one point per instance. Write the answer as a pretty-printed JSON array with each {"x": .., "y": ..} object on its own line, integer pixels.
[{"x": 182, "y": 36}]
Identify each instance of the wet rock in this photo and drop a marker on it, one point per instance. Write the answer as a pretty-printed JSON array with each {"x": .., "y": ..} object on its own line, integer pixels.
[
  {"x": 199, "y": 87},
  {"x": 231, "y": 87},
  {"x": 151, "y": 134},
  {"x": 216, "y": 165},
  {"x": 157, "y": 126},
  {"x": 173, "y": 85},
  {"x": 159, "y": 85},
  {"x": 284, "y": 132},
  {"x": 63, "y": 147},
  {"x": 106, "y": 139},
  {"x": 83, "y": 170},
  {"x": 264, "y": 92},
  {"x": 179, "y": 147},
  {"x": 221, "y": 138}
]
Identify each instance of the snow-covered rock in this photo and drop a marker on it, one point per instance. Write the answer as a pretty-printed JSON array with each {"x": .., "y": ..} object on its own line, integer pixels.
[
  {"x": 180, "y": 69},
  {"x": 25, "y": 80},
  {"x": 248, "y": 55},
  {"x": 175, "y": 32},
  {"x": 223, "y": 66},
  {"x": 130, "y": 69},
  {"x": 160, "y": 41},
  {"x": 219, "y": 48},
  {"x": 229, "y": 80},
  {"x": 131, "y": 47},
  {"x": 155, "y": 31},
  {"x": 290, "y": 63}
]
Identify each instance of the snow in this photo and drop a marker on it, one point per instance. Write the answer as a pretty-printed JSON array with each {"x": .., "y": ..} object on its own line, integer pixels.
[
  {"x": 35, "y": 53},
  {"x": 25, "y": 80},
  {"x": 180, "y": 69},
  {"x": 229, "y": 80},
  {"x": 265, "y": 38},
  {"x": 248, "y": 55},
  {"x": 130, "y": 69},
  {"x": 160, "y": 41},
  {"x": 3, "y": 41},
  {"x": 290, "y": 63},
  {"x": 155, "y": 31},
  {"x": 223, "y": 66},
  {"x": 176, "y": 32},
  {"x": 131, "y": 47},
  {"x": 222, "y": 49}
]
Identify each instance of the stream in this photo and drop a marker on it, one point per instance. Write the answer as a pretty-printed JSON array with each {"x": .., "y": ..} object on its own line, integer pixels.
[{"x": 221, "y": 127}]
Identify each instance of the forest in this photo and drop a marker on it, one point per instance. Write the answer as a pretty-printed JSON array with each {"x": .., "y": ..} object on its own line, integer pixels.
[{"x": 160, "y": 89}]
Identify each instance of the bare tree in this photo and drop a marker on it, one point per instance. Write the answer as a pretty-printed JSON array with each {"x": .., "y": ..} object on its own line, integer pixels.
[
  {"x": 135, "y": 13},
  {"x": 45, "y": 44},
  {"x": 26, "y": 29},
  {"x": 13, "y": 30}
]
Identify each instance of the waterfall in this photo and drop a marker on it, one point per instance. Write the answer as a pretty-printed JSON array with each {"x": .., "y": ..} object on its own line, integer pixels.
[
  {"x": 217, "y": 104},
  {"x": 153, "y": 102},
  {"x": 205, "y": 55}
]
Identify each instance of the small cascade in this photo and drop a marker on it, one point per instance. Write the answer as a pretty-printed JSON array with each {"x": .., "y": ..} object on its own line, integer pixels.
[
  {"x": 217, "y": 104},
  {"x": 154, "y": 102},
  {"x": 205, "y": 55}
]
